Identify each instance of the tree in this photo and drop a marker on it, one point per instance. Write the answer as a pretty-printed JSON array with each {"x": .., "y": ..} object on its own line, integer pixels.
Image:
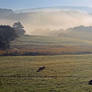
[
  {"x": 7, "y": 34},
  {"x": 19, "y": 28}
]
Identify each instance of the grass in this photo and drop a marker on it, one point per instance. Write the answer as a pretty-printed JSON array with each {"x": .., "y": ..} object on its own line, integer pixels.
[
  {"x": 63, "y": 73},
  {"x": 46, "y": 45},
  {"x": 47, "y": 40}
]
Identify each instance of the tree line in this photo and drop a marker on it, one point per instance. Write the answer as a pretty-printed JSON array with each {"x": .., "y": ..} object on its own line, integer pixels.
[{"x": 9, "y": 33}]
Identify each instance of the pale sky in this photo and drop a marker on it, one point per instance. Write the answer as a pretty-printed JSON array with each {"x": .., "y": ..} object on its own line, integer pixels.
[{"x": 25, "y": 4}]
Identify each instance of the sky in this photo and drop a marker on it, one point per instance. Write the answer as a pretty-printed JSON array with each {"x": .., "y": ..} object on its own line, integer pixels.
[{"x": 25, "y": 4}]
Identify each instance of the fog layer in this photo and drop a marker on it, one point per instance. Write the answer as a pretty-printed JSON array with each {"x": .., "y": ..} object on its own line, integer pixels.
[{"x": 46, "y": 21}]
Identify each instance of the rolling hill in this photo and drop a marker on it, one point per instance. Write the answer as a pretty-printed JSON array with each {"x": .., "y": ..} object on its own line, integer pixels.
[
  {"x": 49, "y": 45},
  {"x": 56, "y": 30}
]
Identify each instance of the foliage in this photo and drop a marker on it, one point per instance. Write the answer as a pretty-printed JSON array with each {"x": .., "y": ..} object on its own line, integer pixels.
[
  {"x": 7, "y": 34},
  {"x": 19, "y": 28}
]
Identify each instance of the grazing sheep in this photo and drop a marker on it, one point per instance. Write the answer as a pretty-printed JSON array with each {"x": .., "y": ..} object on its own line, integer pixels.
[
  {"x": 41, "y": 68},
  {"x": 90, "y": 82}
]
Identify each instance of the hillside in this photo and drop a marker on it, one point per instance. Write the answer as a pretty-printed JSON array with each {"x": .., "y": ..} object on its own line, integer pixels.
[
  {"x": 52, "y": 30},
  {"x": 51, "y": 45}
]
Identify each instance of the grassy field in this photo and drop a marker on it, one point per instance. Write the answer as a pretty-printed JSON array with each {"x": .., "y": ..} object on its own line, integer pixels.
[
  {"x": 46, "y": 45},
  {"x": 49, "y": 41},
  {"x": 63, "y": 73}
]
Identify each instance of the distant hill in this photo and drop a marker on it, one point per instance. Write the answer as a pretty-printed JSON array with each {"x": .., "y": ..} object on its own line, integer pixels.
[
  {"x": 79, "y": 32},
  {"x": 86, "y": 9},
  {"x": 48, "y": 21},
  {"x": 6, "y": 10},
  {"x": 6, "y": 13},
  {"x": 81, "y": 29}
]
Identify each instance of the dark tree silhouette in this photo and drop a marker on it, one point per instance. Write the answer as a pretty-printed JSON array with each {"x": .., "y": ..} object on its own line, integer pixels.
[
  {"x": 19, "y": 28},
  {"x": 7, "y": 34}
]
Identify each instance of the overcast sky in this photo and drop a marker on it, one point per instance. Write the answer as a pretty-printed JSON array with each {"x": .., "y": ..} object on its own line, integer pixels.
[{"x": 24, "y": 4}]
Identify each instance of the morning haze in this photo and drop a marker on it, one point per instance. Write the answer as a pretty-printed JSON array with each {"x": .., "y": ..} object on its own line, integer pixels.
[{"x": 45, "y": 46}]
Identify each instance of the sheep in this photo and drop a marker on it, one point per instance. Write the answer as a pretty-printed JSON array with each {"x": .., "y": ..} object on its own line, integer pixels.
[
  {"x": 41, "y": 68},
  {"x": 90, "y": 82}
]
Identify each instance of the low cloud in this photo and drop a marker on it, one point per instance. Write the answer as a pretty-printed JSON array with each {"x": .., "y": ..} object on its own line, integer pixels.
[{"x": 45, "y": 21}]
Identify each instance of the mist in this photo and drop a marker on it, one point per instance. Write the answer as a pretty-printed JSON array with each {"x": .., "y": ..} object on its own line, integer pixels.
[{"x": 44, "y": 22}]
